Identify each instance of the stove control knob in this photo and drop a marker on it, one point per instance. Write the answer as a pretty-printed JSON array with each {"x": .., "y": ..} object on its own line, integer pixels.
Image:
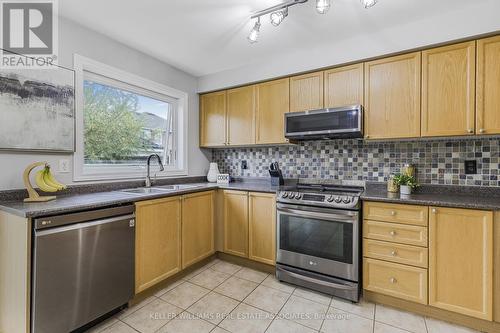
[
  {"x": 338, "y": 199},
  {"x": 291, "y": 195},
  {"x": 298, "y": 196},
  {"x": 284, "y": 195},
  {"x": 330, "y": 198},
  {"x": 346, "y": 200}
]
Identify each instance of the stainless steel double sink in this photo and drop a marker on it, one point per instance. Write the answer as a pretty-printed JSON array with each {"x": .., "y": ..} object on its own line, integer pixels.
[{"x": 161, "y": 189}]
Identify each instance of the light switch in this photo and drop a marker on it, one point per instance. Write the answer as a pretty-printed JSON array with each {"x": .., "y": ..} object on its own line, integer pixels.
[{"x": 63, "y": 166}]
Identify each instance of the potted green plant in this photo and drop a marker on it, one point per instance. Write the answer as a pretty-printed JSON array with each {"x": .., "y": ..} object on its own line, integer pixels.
[{"x": 406, "y": 183}]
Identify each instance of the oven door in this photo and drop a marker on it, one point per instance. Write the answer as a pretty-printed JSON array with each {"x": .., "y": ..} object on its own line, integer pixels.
[{"x": 322, "y": 240}]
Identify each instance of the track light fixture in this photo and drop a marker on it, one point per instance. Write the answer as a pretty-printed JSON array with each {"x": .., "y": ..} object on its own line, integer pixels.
[{"x": 279, "y": 12}]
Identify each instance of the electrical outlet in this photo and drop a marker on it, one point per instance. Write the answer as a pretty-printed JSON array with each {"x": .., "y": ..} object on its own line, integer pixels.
[
  {"x": 470, "y": 167},
  {"x": 63, "y": 166},
  {"x": 244, "y": 165}
]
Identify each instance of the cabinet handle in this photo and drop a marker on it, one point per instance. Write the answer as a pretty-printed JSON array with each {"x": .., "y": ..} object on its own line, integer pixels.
[
  {"x": 393, "y": 233},
  {"x": 393, "y": 213},
  {"x": 394, "y": 253},
  {"x": 367, "y": 136},
  {"x": 434, "y": 210},
  {"x": 470, "y": 131},
  {"x": 393, "y": 280},
  {"x": 482, "y": 130}
]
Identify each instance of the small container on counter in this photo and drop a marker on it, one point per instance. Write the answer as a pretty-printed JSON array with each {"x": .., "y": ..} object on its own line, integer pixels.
[
  {"x": 408, "y": 170},
  {"x": 392, "y": 187}
]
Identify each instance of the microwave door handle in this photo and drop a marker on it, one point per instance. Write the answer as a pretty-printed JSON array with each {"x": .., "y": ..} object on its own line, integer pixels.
[
  {"x": 313, "y": 280},
  {"x": 331, "y": 217}
]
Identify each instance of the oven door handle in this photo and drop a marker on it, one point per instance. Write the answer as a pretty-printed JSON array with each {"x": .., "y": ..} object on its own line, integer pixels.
[
  {"x": 316, "y": 281},
  {"x": 330, "y": 217}
]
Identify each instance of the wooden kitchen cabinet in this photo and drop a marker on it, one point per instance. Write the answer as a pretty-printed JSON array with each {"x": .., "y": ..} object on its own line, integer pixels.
[
  {"x": 241, "y": 116},
  {"x": 392, "y": 97},
  {"x": 197, "y": 227},
  {"x": 213, "y": 119},
  {"x": 343, "y": 86},
  {"x": 236, "y": 223},
  {"x": 488, "y": 86},
  {"x": 157, "y": 241},
  {"x": 262, "y": 227},
  {"x": 306, "y": 92},
  {"x": 273, "y": 101},
  {"x": 461, "y": 261},
  {"x": 448, "y": 90}
]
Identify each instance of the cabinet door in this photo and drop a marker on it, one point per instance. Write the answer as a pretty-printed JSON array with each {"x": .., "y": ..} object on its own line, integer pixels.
[
  {"x": 306, "y": 92},
  {"x": 273, "y": 101},
  {"x": 262, "y": 227},
  {"x": 488, "y": 86},
  {"x": 392, "y": 97},
  {"x": 344, "y": 86},
  {"x": 461, "y": 261},
  {"x": 157, "y": 241},
  {"x": 236, "y": 223},
  {"x": 213, "y": 119},
  {"x": 448, "y": 90},
  {"x": 197, "y": 227},
  {"x": 241, "y": 116}
]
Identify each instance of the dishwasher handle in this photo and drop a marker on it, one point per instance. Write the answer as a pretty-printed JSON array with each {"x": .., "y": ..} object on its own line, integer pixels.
[{"x": 83, "y": 225}]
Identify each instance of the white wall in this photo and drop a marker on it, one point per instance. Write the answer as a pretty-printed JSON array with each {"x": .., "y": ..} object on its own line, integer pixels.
[
  {"x": 476, "y": 18},
  {"x": 74, "y": 38}
]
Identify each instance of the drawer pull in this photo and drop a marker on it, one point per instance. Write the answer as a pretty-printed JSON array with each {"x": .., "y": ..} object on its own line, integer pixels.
[
  {"x": 394, "y": 253},
  {"x": 393, "y": 280},
  {"x": 434, "y": 210},
  {"x": 392, "y": 233},
  {"x": 393, "y": 213}
]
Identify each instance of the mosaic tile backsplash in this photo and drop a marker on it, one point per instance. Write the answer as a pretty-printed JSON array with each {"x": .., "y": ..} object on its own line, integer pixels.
[{"x": 437, "y": 161}]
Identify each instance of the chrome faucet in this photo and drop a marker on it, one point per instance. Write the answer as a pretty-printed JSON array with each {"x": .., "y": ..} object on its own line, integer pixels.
[{"x": 148, "y": 178}]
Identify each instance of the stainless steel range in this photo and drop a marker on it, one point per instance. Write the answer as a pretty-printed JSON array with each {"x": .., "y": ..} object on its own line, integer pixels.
[{"x": 318, "y": 238}]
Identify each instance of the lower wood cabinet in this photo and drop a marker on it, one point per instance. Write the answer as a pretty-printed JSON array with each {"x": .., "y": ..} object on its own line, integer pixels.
[
  {"x": 197, "y": 227},
  {"x": 461, "y": 261},
  {"x": 236, "y": 223},
  {"x": 262, "y": 227},
  {"x": 157, "y": 241}
]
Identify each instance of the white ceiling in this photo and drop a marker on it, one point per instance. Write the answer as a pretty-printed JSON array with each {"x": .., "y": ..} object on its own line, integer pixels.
[{"x": 203, "y": 37}]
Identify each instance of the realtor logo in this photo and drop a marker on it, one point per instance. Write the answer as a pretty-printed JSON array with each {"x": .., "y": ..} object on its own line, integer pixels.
[{"x": 29, "y": 33}]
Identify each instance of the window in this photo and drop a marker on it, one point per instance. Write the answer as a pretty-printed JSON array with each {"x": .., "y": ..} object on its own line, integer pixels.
[{"x": 122, "y": 119}]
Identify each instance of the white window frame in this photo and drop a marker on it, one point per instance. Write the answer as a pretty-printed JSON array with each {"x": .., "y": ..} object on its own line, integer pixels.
[{"x": 83, "y": 65}]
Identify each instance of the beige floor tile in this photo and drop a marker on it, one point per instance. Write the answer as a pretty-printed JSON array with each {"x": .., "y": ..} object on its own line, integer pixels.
[
  {"x": 151, "y": 317},
  {"x": 187, "y": 323},
  {"x": 185, "y": 295},
  {"x": 236, "y": 288},
  {"x": 304, "y": 312},
  {"x": 169, "y": 287},
  {"x": 135, "y": 307},
  {"x": 383, "y": 328},
  {"x": 194, "y": 273},
  {"x": 209, "y": 278},
  {"x": 313, "y": 295},
  {"x": 280, "y": 325},
  {"x": 213, "y": 262},
  {"x": 272, "y": 282},
  {"x": 401, "y": 319},
  {"x": 226, "y": 267},
  {"x": 363, "y": 308},
  {"x": 219, "y": 330},
  {"x": 438, "y": 326},
  {"x": 119, "y": 327},
  {"x": 268, "y": 299},
  {"x": 213, "y": 307},
  {"x": 251, "y": 275},
  {"x": 103, "y": 325},
  {"x": 338, "y": 321},
  {"x": 247, "y": 319}
]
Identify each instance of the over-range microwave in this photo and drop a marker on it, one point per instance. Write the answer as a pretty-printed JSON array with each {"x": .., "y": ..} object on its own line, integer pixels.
[{"x": 334, "y": 123}]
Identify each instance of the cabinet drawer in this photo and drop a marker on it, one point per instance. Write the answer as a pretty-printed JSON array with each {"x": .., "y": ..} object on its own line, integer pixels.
[
  {"x": 394, "y": 232},
  {"x": 387, "y": 212},
  {"x": 406, "y": 282},
  {"x": 399, "y": 253}
]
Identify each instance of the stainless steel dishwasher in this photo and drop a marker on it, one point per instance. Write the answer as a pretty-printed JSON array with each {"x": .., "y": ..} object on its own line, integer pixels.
[{"x": 83, "y": 267}]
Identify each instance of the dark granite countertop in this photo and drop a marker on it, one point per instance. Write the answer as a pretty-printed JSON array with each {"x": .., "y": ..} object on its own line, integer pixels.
[
  {"x": 86, "y": 201},
  {"x": 485, "y": 198}
]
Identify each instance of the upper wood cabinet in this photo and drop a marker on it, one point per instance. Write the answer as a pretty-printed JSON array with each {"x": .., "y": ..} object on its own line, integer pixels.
[
  {"x": 273, "y": 101},
  {"x": 392, "y": 97},
  {"x": 488, "y": 86},
  {"x": 241, "y": 115},
  {"x": 236, "y": 223},
  {"x": 448, "y": 90},
  {"x": 343, "y": 86},
  {"x": 213, "y": 119},
  {"x": 306, "y": 92},
  {"x": 262, "y": 227},
  {"x": 197, "y": 227},
  {"x": 461, "y": 261},
  {"x": 157, "y": 241}
]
